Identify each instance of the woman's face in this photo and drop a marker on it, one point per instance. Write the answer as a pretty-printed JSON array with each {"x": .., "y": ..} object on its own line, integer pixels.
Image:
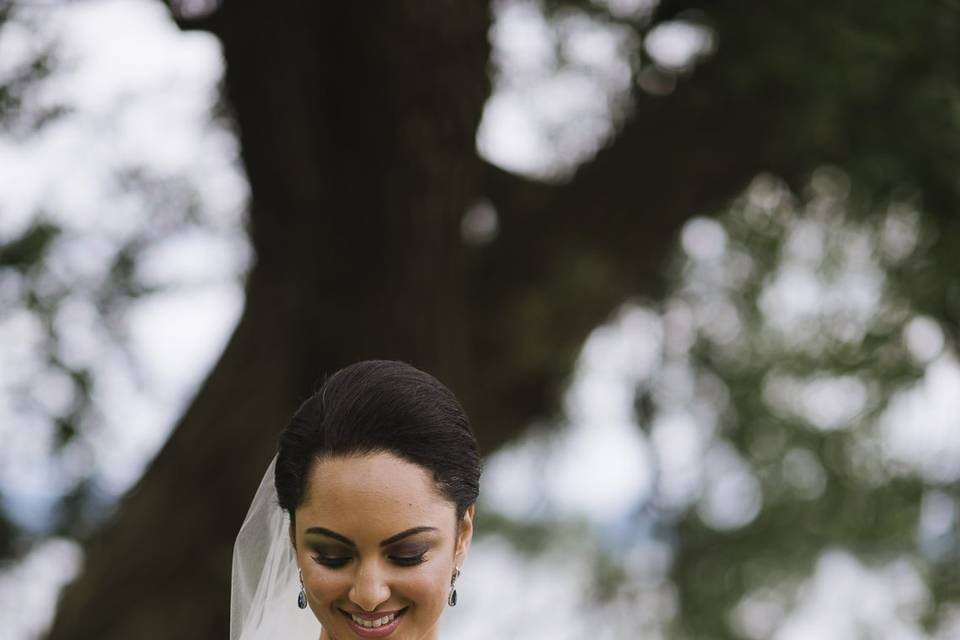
[{"x": 375, "y": 538}]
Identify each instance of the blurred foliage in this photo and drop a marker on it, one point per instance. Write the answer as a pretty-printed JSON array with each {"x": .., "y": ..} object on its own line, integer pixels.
[
  {"x": 787, "y": 317},
  {"x": 20, "y": 113},
  {"x": 780, "y": 380},
  {"x": 800, "y": 290},
  {"x": 785, "y": 343},
  {"x": 69, "y": 276},
  {"x": 23, "y": 253}
]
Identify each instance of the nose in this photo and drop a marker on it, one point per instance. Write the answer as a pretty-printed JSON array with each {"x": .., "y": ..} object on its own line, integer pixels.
[{"x": 370, "y": 587}]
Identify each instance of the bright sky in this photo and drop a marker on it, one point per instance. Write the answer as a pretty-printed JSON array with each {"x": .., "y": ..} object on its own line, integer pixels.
[{"x": 138, "y": 83}]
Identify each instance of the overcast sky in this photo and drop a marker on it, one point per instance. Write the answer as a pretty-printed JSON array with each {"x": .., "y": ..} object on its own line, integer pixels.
[{"x": 141, "y": 92}]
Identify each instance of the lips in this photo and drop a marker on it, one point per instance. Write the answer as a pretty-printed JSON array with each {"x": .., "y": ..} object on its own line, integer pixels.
[{"x": 381, "y": 631}]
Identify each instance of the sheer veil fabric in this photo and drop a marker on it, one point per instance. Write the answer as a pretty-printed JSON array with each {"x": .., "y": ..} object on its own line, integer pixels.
[{"x": 264, "y": 586}]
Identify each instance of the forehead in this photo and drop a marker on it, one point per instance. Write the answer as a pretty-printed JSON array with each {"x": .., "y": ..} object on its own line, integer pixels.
[{"x": 371, "y": 497}]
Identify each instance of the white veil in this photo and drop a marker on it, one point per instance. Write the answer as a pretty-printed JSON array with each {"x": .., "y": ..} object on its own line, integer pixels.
[{"x": 264, "y": 587}]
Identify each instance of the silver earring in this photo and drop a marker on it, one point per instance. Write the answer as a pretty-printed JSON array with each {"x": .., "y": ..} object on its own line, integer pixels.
[
  {"x": 452, "y": 598},
  {"x": 302, "y": 598}
]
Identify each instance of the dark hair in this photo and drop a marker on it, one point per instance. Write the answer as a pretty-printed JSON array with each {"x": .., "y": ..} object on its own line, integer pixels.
[{"x": 381, "y": 406}]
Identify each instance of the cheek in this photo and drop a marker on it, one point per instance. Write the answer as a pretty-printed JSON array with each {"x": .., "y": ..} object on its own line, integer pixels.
[
  {"x": 326, "y": 590},
  {"x": 323, "y": 585},
  {"x": 428, "y": 589}
]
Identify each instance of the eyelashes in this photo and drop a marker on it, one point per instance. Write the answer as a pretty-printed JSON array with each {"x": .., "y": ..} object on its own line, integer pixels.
[
  {"x": 408, "y": 561},
  {"x": 339, "y": 561},
  {"x": 333, "y": 563}
]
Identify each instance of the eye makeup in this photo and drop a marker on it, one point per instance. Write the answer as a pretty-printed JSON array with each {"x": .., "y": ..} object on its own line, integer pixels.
[
  {"x": 405, "y": 556},
  {"x": 408, "y": 561},
  {"x": 332, "y": 562},
  {"x": 333, "y": 556},
  {"x": 409, "y": 555}
]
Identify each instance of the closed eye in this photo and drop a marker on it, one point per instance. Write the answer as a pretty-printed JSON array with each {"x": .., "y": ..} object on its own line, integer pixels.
[
  {"x": 333, "y": 562},
  {"x": 408, "y": 561}
]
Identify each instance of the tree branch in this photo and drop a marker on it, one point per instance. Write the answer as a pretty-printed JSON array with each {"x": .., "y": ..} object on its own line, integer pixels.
[{"x": 569, "y": 255}]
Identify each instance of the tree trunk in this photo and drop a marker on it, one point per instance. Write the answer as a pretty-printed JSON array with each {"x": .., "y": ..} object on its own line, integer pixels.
[{"x": 357, "y": 123}]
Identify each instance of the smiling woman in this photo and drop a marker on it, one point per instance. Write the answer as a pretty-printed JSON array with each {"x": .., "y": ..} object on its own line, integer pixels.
[{"x": 365, "y": 515}]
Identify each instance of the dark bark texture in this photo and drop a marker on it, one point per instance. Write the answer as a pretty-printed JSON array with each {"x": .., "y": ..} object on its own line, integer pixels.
[{"x": 357, "y": 123}]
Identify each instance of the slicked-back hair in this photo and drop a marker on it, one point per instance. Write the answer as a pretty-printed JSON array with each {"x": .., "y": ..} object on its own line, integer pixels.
[{"x": 381, "y": 406}]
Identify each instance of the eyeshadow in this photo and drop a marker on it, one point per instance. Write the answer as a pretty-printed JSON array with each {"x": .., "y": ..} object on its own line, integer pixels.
[{"x": 410, "y": 549}]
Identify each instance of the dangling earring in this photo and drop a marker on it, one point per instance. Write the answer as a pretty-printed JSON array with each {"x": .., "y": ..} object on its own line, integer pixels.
[
  {"x": 452, "y": 598},
  {"x": 302, "y": 598}
]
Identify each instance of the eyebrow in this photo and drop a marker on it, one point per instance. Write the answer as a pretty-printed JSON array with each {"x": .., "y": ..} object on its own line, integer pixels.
[{"x": 350, "y": 543}]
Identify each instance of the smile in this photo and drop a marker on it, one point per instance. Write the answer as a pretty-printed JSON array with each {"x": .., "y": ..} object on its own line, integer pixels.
[{"x": 375, "y": 628}]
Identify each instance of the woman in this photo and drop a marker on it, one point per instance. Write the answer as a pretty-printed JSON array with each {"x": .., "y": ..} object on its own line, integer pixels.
[{"x": 365, "y": 515}]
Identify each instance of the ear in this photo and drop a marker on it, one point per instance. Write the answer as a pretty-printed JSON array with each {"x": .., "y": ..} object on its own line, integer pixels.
[
  {"x": 464, "y": 535},
  {"x": 293, "y": 536}
]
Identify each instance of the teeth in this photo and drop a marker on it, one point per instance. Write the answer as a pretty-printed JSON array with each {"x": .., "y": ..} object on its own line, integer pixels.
[{"x": 373, "y": 624}]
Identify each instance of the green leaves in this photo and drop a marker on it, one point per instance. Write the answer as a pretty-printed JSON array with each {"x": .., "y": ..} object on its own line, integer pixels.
[{"x": 28, "y": 250}]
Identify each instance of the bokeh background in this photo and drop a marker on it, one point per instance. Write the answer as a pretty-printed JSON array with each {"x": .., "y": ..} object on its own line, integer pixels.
[{"x": 692, "y": 267}]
